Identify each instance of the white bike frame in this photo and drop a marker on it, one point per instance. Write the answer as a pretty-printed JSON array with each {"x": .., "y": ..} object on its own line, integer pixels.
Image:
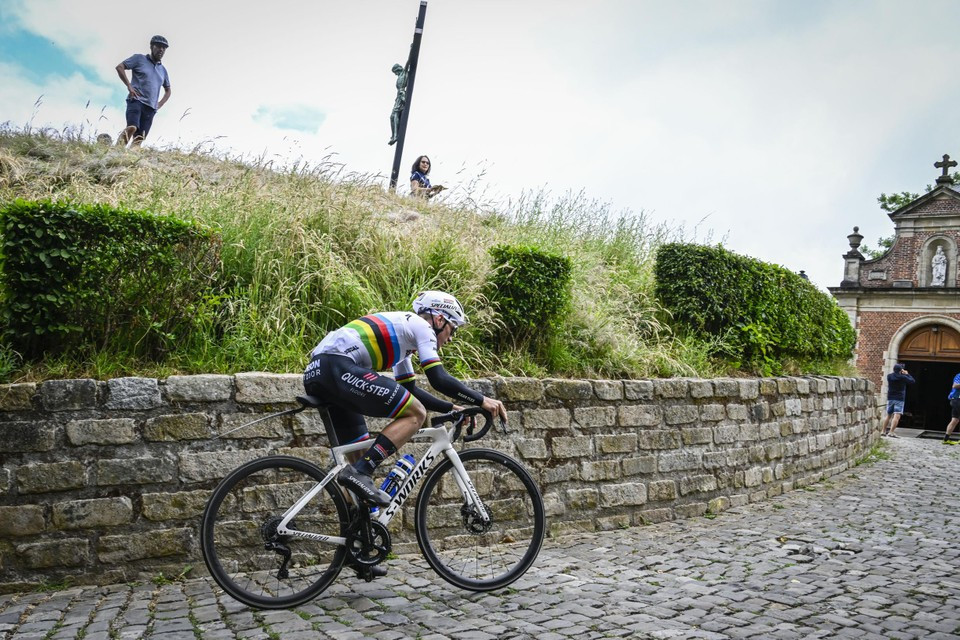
[{"x": 440, "y": 445}]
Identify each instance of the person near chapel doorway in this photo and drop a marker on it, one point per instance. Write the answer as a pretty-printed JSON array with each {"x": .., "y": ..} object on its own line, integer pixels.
[
  {"x": 896, "y": 395},
  {"x": 954, "y": 398}
]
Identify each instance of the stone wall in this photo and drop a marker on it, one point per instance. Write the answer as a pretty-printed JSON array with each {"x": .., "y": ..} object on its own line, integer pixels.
[{"x": 105, "y": 481}]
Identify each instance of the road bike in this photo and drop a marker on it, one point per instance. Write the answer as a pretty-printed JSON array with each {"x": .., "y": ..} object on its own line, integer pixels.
[{"x": 277, "y": 530}]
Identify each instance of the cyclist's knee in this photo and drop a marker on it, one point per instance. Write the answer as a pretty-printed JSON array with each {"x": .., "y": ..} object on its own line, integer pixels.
[{"x": 417, "y": 411}]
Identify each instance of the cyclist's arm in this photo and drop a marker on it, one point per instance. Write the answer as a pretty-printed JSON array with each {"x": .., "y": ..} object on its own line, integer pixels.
[
  {"x": 403, "y": 373},
  {"x": 430, "y": 401},
  {"x": 450, "y": 386}
]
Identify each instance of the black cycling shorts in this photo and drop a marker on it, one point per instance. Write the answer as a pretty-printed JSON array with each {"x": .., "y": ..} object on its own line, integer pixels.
[
  {"x": 955, "y": 408},
  {"x": 353, "y": 392}
]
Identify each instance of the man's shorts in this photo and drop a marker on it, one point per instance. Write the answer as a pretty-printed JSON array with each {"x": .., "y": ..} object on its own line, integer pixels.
[
  {"x": 354, "y": 392},
  {"x": 140, "y": 116},
  {"x": 955, "y": 408},
  {"x": 894, "y": 406}
]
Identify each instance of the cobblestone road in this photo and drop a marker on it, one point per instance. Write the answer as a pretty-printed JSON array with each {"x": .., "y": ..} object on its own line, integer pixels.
[{"x": 863, "y": 555}]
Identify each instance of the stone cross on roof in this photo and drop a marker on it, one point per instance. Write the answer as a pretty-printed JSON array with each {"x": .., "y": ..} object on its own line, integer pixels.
[{"x": 946, "y": 164}]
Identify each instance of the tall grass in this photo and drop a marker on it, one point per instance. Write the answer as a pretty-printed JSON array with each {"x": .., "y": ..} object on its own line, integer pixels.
[{"x": 308, "y": 247}]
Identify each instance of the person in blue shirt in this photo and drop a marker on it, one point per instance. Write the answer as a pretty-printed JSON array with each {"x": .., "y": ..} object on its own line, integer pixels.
[
  {"x": 896, "y": 395},
  {"x": 954, "y": 397},
  {"x": 143, "y": 90},
  {"x": 419, "y": 182}
]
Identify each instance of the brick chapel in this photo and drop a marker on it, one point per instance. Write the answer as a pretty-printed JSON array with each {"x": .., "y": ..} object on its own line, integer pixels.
[{"x": 905, "y": 305}]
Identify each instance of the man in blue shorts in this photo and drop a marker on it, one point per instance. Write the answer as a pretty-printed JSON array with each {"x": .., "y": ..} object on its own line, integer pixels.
[
  {"x": 954, "y": 397},
  {"x": 896, "y": 395},
  {"x": 143, "y": 91}
]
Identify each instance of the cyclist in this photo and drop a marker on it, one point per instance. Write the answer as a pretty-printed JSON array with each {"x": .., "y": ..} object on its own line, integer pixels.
[{"x": 344, "y": 369}]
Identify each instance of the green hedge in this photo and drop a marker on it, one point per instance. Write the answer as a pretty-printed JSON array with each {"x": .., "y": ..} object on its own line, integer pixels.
[
  {"x": 89, "y": 278},
  {"x": 530, "y": 289},
  {"x": 763, "y": 313}
]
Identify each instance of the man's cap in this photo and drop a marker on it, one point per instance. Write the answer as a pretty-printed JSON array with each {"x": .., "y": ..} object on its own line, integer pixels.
[
  {"x": 897, "y": 368},
  {"x": 160, "y": 40}
]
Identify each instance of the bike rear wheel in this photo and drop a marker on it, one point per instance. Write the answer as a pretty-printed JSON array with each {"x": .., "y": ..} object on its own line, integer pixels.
[
  {"x": 241, "y": 548},
  {"x": 466, "y": 551}
]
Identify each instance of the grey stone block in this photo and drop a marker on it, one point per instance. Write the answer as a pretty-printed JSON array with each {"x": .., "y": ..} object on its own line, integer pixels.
[
  {"x": 92, "y": 514},
  {"x": 626, "y": 494},
  {"x": 726, "y": 387},
  {"x": 519, "y": 389},
  {"x": 638, "y": 389},
  {"x": 133, "y": 471},
  {"x": 546, "y": 418},
  {"x": 572, "y": 447},
  {"x": 23, "y": 437},
  {"x": 592, "y": 471},
  {"x": 639, "y": 465},
  {"x": 21, "y": 521},
  {"x": 697, "y": 484},
  {"x": 575, "y": 390},
  {"x": 662, "y": 490},
  {"x": 199, "y": 388},
  {"x": 256, "y": 387},
  {"x": 197, "y": 467},
  {"x": 18, "y": 396},
  {"x": 177, "y": 427},
  {"x": 608, "y": 389},
  {"x": 108, "y": 431},
  {"x": 68, "y": 395},
  {"x": 181, "y": 505},
  {"x": 671, "y": 388},
  {"x": 683, "y": 414},
  {"x": 625, "y": 443},
  {"x": 639, "y": 415},
  {"x": 135, "y": 394},
  {"x": 749, "y": 389},
  {"x": 151, "y": 544},
  {"x": 683, "y": 461},
  {"x": 591, "y": 417},
  {"x": 55, "y": 476},
  {"x": 701, "y": 389},
  {"x": 658, "y": 439},
  {"x": 71, "y": 552}
]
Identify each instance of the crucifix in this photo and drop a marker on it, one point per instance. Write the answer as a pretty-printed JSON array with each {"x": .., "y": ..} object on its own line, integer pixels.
[{"x": 946, "y": 164}]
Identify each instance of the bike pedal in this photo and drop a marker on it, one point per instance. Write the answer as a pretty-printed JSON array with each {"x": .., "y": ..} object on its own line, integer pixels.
[{"x": 367, "y": 574}]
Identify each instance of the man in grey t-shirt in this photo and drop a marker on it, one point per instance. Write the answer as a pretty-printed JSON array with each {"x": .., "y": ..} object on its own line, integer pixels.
[{"x": 143, "y": 99}]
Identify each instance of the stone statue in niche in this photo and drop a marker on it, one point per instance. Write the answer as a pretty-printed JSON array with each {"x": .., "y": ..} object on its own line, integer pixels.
[{"x": 939, "y": 264}]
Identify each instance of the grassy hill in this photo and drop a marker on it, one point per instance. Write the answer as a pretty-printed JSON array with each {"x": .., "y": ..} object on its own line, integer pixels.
[{"x": 311, "y": 246}]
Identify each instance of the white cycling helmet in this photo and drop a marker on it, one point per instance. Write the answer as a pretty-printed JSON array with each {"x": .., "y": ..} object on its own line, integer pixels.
[{"x": 442, "y": 303}]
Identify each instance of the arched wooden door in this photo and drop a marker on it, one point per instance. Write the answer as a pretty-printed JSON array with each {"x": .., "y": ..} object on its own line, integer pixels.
[
  {"x": 934, "y": 342},
  {"x": 932, "y": 356}
]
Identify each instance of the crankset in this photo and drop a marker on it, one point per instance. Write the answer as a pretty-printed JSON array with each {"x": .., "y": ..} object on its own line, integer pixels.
[{"x": 369, "y": 547}]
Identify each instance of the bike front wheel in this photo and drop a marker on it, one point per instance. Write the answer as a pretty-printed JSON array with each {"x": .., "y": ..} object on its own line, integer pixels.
[
  {"x": 466, "y": 550},
  {"x": 242, "y": 549}
]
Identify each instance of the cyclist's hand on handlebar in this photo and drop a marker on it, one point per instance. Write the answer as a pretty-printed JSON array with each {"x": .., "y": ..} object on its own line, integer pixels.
[{"x": 495, "y": 408}]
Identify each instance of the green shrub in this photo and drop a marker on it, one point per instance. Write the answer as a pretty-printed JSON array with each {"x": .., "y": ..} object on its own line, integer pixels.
[
  {"x": 763, "y": 313},
  {"x": 78, "y": 278},
  {"x": 530, "y": 290}
]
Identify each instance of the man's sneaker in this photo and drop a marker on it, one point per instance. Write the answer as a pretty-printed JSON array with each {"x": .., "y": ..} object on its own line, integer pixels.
[
  {"x": 362, "y": 485},
  {"x": 945, "y": 441},
  {"x": 893, "y": 435}
]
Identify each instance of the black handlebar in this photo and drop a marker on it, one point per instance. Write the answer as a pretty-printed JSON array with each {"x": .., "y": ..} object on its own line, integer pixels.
[{"x": 459, "y": 417}]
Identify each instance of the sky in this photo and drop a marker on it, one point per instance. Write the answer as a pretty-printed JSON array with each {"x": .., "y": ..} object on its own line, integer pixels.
[{"x": 769, "y": 125}]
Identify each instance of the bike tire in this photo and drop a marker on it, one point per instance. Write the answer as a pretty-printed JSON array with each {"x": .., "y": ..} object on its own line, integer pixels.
[
  {"x": 236, "y": 527},
  {"x": 465, "y": 552}
]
